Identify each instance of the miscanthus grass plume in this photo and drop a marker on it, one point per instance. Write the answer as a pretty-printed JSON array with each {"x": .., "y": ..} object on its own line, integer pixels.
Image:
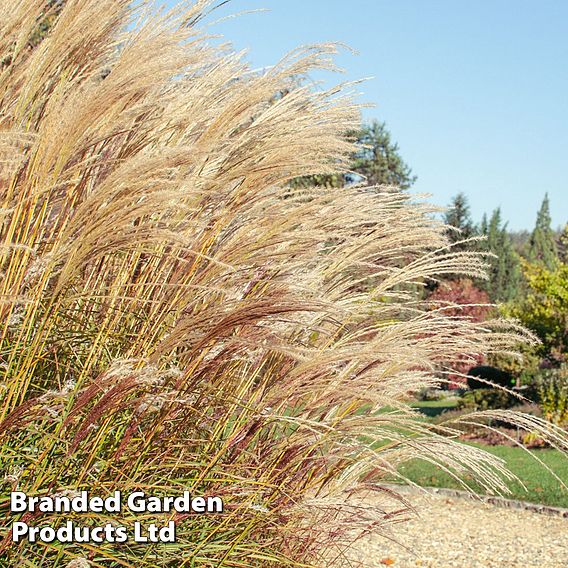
[{"x": 176, "y": 316}]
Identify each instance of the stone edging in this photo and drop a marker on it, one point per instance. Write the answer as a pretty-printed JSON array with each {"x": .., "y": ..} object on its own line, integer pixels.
[{"x": 490, "y": 499}]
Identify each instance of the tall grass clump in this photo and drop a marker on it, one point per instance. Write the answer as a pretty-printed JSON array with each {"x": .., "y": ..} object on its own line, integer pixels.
[{"x": 176, "y": 316}]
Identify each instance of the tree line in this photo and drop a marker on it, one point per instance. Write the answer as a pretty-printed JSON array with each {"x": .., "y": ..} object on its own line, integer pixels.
[{"x": 527, "y": 270}]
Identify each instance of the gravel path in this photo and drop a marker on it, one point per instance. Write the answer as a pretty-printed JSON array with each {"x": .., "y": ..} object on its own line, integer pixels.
[{"x": 454, "y": 532}]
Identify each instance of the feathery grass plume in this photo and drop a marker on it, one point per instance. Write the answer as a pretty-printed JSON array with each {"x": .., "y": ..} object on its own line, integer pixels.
[{"x": 175, "y": 316}]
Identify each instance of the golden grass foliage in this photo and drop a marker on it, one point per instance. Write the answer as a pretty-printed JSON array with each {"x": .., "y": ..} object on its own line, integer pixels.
[{"x": 175, "y": 316}]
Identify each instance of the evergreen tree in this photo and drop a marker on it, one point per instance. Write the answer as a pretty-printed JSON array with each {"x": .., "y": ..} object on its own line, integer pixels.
[
  {"x": 519, "y": 240},
  {"x": 504, "y": 282},
  {"x": 458, "y": 216},
  {"x": 542, "y": 245},
  {"x": 320, "y": 180},
  {"x": 483, "y": 225},
  {"x": 379, "y": 160}
]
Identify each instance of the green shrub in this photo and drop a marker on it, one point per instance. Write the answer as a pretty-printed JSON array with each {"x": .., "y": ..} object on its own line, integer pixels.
[
  {"x": 552, "y": 390},
  {"x": 487, "y": 399}
]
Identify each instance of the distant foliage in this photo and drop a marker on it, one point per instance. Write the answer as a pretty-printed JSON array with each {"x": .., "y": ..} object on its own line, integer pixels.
[
  {"x": 563, "y": 245},
  {"x": 552, "y": 389},
  {"x": 460, "y": 223},
  {"x": 378, "y": 158},
  {"x": 376, "y": 161},
  {"x": 461, "y": 298},
  {"x": 519, "y": 240},
  {"x": 527, "y": 277},
  {"x": 505, "y": 275},
  {"x": 487, "y": 399},
  {"x": 542, "y": 246},
  {"x": 544, "y": 310}
]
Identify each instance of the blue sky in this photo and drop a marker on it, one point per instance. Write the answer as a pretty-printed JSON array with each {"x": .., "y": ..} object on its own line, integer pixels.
[{"x": 474, "y": 92}]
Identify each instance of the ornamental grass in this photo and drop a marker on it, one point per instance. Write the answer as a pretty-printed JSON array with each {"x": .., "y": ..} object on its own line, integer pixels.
[{"x": 176, "y": 315}]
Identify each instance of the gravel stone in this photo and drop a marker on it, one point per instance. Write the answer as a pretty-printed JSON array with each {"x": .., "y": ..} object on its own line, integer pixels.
[{"x": 454, "y": 532}]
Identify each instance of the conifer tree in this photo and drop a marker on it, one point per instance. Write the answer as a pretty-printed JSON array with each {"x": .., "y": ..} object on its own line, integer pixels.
[
  {"x": 379, "y": 160},
  {"x": 504, "y": 272},
  {"x": 458, "y": 216},
  {"x": 483, "y": 225},
  {"x": 542, "y": 245}
]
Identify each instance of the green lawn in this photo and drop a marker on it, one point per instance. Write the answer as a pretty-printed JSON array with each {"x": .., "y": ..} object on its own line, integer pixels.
[{"x": 542, "y": 486}]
